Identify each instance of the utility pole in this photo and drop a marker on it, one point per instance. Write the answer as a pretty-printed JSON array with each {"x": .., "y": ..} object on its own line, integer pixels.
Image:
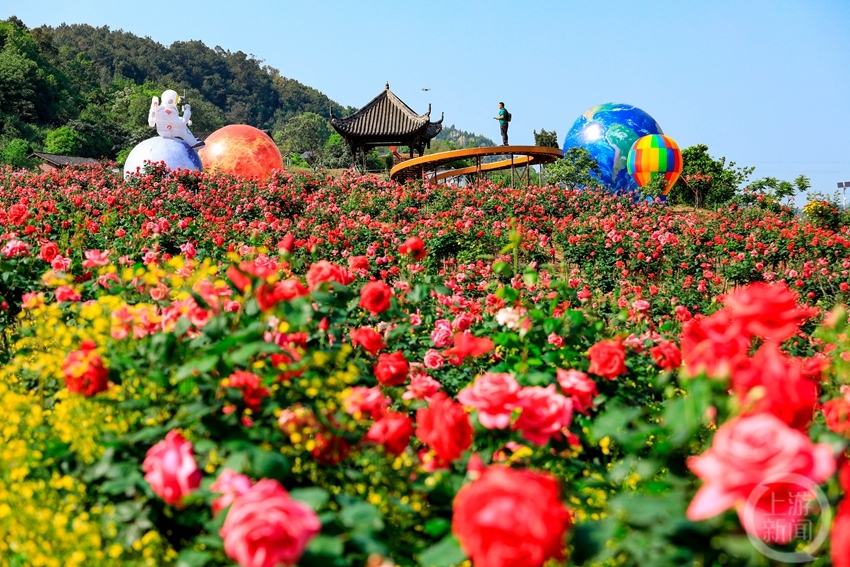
[{"x": 844, "y": 186}]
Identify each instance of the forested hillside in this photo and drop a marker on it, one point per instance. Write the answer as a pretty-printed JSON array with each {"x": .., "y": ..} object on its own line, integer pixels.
[
  {"x": 463, "y": 139},
  {"x": 77, "y": 89}
]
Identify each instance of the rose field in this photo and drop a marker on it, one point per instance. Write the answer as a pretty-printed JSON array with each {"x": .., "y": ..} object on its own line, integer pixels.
[{"x": 201, "y": 371}]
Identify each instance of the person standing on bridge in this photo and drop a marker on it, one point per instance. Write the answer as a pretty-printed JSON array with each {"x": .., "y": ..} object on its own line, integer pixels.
[{"x": 503, "y": 118}]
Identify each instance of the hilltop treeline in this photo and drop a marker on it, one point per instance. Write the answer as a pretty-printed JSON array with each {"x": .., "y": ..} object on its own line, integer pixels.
[{"x": 78, "y": 89}]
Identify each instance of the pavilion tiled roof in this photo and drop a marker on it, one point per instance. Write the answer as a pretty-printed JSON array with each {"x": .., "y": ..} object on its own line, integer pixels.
[
  {"x": 384, "y": 116},
  {"x": 61, "y": 161}
]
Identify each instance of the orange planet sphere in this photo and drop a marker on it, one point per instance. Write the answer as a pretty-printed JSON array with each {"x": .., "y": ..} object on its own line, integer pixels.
[{"x": 240, "y": 150}]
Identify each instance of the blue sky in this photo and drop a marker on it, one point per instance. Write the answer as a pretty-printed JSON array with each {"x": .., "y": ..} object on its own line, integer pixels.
[{"x": 763, "y": 83}]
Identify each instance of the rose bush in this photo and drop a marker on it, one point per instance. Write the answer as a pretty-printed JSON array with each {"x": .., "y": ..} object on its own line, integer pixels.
[{"x": 201, "y": 371}]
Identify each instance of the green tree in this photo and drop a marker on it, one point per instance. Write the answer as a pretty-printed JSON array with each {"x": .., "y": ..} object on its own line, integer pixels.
[
  {"x": 546, "y": 139},
  {"x": 15, "y": 153},
  {"x": 306, "y": 132},
  {"x": 336, "y": 154},
  {"x": 779, "y": 189},
  {"x": 706, "y": 180},
  {"x": 576, "y": 169},
  {"x": 656, "y": 187},
  {"x": 63, "y": 141}
]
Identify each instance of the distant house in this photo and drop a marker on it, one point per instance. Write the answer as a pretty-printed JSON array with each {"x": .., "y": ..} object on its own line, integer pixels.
[{"x": 53, "y": 162}]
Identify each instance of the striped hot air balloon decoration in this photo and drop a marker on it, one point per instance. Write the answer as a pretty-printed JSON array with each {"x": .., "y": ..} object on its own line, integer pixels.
[{"x": 652, "y": 156}]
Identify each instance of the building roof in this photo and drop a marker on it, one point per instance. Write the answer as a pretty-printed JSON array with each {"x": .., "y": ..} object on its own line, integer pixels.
[
  {"x": 385, "y": 116},
  {"x": 62, "y": 161}
]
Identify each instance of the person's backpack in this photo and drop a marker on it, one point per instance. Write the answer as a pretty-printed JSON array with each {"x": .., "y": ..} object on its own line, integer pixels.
[{"x": 507, "y": 115}]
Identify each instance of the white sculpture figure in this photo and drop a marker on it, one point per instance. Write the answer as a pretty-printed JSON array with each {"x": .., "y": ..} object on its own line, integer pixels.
[{"x": 169, "y": 123}]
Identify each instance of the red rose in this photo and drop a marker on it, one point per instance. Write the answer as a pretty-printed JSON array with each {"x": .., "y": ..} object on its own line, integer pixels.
[
  {"x": 324, "y": 271},
  {"x": 837, "y": 414},
  {"x": 287, "y": 244},
  {"x": 767, "y": 310},
  {"x": 369, "y": 339},
  {"x": 713, "y": 345},
  {"x": 288, "y": 361},
  {"x": 252, "y": 388},
  {"x": 18, "y": 214},
  {"x": 330, "y": 449},
  {"x": 368, "y": 401},
  {"x": 444, "y": 426},
  {"x": 666, "y": 355},
  {"x": 241, "y": 276},
  {"x": 607, "y": 359},
  {"x": 358, "y": 263},
  {"x": 413, "y": 247},
  {"x": 84, "y": 371},
  {"x": 375, "y": 297},
  {"x": 579, "y": 387},
  {"x": 510, "y": 518},
  {"x": 839, "y": 537},
  {"x": 392, "y": 369},
  {"x": 773, "y": 382},
  {"x": 170, "y": 468},
  {"x": 49, "y": 250},
  {"x": 393, "y": 431},
  {"x": 747, "y": 451},
  {"x": 289, "y": 289},
  {"x": 265, "y": 527},
  {"x": 467, "y": 345},
  {"x": 494, "y": 395},
  {"x": 545, "y": 414}
]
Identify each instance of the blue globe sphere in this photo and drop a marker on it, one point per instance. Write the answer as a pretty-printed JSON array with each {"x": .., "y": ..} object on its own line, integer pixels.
[
  {"x": 175, "y": 153},
  {"x": 608, "y": 131}
]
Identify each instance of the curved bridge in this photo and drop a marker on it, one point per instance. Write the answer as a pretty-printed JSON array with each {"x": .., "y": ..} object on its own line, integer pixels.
[{"x": 519, "y": 156}]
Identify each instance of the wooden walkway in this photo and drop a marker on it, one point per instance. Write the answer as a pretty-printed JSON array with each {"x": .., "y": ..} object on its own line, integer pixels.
[{"x": 428, "y": 165}]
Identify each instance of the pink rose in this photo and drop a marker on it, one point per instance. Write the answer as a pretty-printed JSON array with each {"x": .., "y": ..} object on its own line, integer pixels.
[
  {"x": 230, "y": 485},
  {"x": 170, "y": 468},
  {"x": 442, "y": 335},
  {"x": 421, "y": 386},
  {"x": 95, "y": 258},
  {"x": 579, "y": 387},
  {"x": 267, "y": 528},
  {"x": 367, "y": 401},
  {"x": 462, "y": 322},
  {"x": 60, "y": 263},
  {"x": 494, "y": 395},
  {"x": 746, "y": 452},
  {"x": 545, "y": 413},
  {"x": 433, "y": 359},
  {"x": 66, "y": 293}
]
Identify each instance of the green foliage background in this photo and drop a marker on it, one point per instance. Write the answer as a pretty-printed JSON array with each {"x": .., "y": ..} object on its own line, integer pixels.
[{"x": 82, "y": 90}]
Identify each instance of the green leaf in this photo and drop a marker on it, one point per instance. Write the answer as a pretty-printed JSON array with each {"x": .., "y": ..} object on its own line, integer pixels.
[
  {"x": 502, "y": 268},
  {"x": 418, "y": 293},
  {"x": 437, "y": 527},
  {"x": 361, "y": 516},
  {"x": 193, "y": 558},
  {"x": 197, "y": 366},
  {"x": 326, "y": 545},
  {"x": 447, "y": 553},
  {"x": 589, "y": 539},
  {"x": 182, "y": 326},
  {"x": 243, "y": 354},
  {"x": 312, "y": 496},
  {"x": 267, "y": 464}
]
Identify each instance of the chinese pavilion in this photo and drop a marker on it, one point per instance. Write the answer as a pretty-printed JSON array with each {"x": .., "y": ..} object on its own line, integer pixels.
[{"x": 385, "y": 121}]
